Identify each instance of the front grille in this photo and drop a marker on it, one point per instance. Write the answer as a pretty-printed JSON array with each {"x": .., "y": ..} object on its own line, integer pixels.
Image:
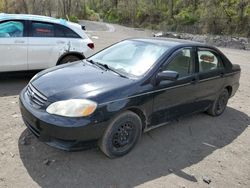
[{"x": 35, "y": 96}]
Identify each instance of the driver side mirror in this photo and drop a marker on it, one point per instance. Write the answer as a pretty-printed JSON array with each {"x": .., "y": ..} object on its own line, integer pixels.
[{"x": 167, "y": 75}]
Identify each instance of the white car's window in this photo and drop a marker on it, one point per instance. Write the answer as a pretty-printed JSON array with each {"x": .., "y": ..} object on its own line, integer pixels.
[
  {"x": 42, "y": 29},
  {"x": 64, "y": 32},
  {"x": 11, "y": 29},
  {"x": 131, "y": 57}
]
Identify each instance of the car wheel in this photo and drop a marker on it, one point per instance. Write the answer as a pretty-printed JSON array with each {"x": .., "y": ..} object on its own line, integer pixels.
[
  {"x": 220, "y": 104},
  {"x": 121, "y": 135},
  {"x": 69, "y": 59}
]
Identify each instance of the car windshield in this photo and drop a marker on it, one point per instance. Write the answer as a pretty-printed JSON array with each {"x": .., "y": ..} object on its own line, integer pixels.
[{"x": 130, "y": 57}]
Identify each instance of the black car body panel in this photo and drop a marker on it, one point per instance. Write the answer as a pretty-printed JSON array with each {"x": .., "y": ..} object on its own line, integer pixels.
[
  {"x": 79, "y": 80},
  {"x": 155, "y": 102}
]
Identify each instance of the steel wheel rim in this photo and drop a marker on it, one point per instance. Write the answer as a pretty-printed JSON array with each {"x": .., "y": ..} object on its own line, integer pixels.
[{"x": 123, "y": 136}]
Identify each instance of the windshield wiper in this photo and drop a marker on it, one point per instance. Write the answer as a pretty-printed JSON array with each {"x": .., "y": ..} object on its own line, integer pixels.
[
  {"x": 95, "y": 63},
  {"x": 106, "y": 67},
  {"x": 113, "y": 70}
]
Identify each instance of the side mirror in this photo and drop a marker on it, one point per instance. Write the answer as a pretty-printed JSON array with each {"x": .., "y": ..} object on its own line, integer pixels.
[{"x": 167, "y": 75}]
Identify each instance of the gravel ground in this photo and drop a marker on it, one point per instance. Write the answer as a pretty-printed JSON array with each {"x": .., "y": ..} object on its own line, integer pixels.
[{"x": 196, "y": 151}]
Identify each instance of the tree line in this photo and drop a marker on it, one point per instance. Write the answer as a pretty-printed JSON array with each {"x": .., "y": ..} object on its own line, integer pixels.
[{"x": 224, "y": 17}]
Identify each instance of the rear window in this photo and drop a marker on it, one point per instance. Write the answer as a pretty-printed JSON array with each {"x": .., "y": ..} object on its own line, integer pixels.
[
  {"x": 42, "y": 29},
  {"x": 208, "y": 61},
  {"x": 64, "y": 32}
]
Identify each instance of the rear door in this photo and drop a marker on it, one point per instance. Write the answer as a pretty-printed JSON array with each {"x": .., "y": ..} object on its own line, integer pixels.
[
  {"x": 42, "y": 51},
  {"x": 67, "y": 40},
  {"x": 211, "y": 71},
  {"x": 13, "y": 45}
]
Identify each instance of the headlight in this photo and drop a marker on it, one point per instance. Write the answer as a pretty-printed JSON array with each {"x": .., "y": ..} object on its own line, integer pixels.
[{"x": 72, "y": 108}]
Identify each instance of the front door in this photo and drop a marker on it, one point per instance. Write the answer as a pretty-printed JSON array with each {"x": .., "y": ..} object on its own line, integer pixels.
[
  {"x": 13, "y": 46},
  {"x": 174, "y": 98}
]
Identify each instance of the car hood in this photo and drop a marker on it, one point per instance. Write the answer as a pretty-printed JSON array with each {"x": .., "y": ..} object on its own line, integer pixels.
[{"x": 77, "y": 80}]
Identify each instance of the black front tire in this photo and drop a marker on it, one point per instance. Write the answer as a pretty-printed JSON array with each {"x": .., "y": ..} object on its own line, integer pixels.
[
  {"x": 69, "y": 59},
  {"x": 121, "y": 135},
  {"x": 220, "y": 104}
]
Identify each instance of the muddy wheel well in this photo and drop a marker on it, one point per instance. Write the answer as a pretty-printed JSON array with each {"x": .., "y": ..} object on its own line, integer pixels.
[
  {"x": 141, "y": 115},
  {"x": 229, "y": 88}
]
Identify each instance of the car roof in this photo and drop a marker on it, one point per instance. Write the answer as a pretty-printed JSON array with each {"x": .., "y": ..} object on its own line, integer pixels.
[
  {"x": 4, "y": 16},
  {"x": 74, "y": 26},
  {"x": 171, "y": 42}
]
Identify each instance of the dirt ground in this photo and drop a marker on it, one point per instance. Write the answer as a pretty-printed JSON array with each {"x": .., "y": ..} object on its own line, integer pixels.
[{"x": 182, "y": 154}]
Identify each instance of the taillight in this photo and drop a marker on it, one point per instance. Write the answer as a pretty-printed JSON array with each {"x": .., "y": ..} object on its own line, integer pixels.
[{"x": 91, "y": 45}]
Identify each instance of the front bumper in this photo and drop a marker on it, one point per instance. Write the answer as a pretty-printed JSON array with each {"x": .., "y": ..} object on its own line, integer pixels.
[{"x": 60, "y": 132}]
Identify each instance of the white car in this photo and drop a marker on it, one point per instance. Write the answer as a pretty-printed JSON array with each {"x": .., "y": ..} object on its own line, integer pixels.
[{"x": 30, "y": 42}]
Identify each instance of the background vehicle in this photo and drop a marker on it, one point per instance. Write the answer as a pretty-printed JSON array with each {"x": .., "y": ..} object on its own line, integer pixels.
[
  {"x": 130, "y": 87},
  {"x": 30, "y": 42}
]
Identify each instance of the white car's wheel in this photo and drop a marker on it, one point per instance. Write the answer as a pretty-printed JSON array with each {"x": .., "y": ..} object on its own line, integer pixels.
[{"x": 69, "y": 59}]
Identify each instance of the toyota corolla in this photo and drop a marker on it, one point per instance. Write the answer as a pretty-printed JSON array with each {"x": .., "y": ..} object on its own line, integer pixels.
[{"x": 128, "y": 88}]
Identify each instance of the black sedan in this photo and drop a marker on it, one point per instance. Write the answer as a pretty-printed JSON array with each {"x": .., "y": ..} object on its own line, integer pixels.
[{"x": 131, "y": 87}]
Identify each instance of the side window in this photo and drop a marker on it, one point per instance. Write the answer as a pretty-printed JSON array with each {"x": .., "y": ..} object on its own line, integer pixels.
[
  {"x": 59, "y": 31},
  {"x": 39, "y": 29},
  {"x": 69, "y": 33},
  {"x": 64, "y": 32},
  {"x": 208, "y": 61},
  {"x": 11, "y": 29},
  {"x": 182, "y": 63}
]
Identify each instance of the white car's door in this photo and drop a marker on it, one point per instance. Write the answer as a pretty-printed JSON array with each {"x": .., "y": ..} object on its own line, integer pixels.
[
  {"x": 42, "y": 50},
  {"x": 13, "y": 46}
]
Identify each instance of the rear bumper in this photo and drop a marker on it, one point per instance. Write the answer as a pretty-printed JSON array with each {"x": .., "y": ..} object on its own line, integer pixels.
[
  {"x": 61, "y": 132},
  {"x": 235, "y": 87}
]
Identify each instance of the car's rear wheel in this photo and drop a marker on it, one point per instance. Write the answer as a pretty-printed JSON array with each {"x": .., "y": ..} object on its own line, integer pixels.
[
  {"x": 69, "y": 59},
  {"x": 220, "y": 104},
  {"x": 121, "y": 135}
]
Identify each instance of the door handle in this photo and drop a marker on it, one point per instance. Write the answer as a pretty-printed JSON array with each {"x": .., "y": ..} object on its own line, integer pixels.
[{"x": 19, "y": 41}]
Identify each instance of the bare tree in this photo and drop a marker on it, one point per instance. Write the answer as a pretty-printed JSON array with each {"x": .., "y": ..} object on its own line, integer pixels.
[
  {"x": 25, "y": 6},
  {"x": 171, "y": 8},
  {"x": 6, "y": 5},
  {"x": 66, "y": 7}
]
